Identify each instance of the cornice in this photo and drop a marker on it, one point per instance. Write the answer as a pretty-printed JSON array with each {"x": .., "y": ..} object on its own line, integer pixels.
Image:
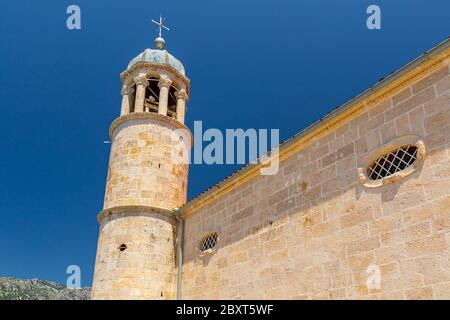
[
  {"x": 430, "y": 66},
  {"x": 148, "y": 116},
  {"x": 155, "y": 65},
  {"x": 137, "y": 209}
]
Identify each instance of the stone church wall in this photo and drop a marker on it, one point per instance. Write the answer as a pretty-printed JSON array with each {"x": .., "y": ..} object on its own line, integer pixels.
[{"x": 313, "y": 230}]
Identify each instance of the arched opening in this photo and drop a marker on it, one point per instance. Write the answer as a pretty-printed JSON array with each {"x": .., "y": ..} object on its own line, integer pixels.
[
  {"x": 151, "y": 101},
  {"x": 132, "y": 96},
  {"x": 172, "y": 102}
]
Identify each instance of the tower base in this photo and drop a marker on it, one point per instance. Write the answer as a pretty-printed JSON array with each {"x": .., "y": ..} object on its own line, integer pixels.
[{"x": 136, "y": 254}]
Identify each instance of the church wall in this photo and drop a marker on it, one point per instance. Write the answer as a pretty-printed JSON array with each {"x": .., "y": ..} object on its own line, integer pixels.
[{"x": 312, "y": 230}]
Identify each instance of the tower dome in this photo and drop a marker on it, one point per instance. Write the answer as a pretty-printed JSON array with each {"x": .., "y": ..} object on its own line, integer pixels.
[{"x": 158, "y": 56}]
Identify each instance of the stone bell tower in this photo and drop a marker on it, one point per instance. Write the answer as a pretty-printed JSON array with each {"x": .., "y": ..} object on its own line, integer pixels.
[{"x": 147, "y": 180}]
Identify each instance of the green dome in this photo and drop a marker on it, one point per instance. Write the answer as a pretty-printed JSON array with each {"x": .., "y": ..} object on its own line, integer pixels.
[{"x": 158, "y": 56}]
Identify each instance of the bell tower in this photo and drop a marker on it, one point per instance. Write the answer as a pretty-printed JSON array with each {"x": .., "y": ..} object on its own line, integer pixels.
[{"x": 147, "y": 181}]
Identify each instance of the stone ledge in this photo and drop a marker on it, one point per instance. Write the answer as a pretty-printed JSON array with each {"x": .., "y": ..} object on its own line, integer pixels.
[
  {"x": 147, "y": 116},
  {"x": 133, "y": 208}
]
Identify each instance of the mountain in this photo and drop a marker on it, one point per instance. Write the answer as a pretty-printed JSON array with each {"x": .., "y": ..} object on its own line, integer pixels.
[{"x": 35, "y": 289}]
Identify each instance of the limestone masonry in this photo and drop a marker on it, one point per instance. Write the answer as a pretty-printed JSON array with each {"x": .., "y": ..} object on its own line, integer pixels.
[{"x": 359, "y": 209}]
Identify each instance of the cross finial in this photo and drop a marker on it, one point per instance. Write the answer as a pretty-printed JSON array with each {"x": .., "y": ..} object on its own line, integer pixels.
[{"x": 160, "y": 41}]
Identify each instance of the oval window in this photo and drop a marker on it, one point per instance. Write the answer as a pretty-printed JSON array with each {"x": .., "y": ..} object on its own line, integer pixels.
[
  {"x": 392, "y": 162},
  {"x": 209, "y": 242}
]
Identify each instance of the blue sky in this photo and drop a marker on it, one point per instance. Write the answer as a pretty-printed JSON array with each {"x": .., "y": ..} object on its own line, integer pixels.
[{"x": 252, "y": 64}]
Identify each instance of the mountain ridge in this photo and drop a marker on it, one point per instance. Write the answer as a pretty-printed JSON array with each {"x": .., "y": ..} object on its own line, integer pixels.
[{"x": 37, "y": 289}]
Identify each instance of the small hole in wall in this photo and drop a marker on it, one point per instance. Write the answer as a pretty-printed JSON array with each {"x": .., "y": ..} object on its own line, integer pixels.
[
  {"x": 304, "y": 186},
  {"x": 123, "y": 247}
]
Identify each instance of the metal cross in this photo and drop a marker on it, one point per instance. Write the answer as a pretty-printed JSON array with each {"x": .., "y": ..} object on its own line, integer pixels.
[{"x": 160, "y": 25}]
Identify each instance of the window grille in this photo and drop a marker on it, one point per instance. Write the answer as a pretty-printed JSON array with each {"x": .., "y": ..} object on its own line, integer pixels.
[
  {"x": 209, "y": 242},
  {"x": 392, "y": 162}
]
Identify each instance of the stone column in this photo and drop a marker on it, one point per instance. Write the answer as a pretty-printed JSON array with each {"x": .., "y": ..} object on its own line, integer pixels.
[
  {"x": 126, "y": 100},
  {"x": 181, "y": 104},
  {"x": 164, "y": 86},
  {"x": 141, "y": 84}
]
